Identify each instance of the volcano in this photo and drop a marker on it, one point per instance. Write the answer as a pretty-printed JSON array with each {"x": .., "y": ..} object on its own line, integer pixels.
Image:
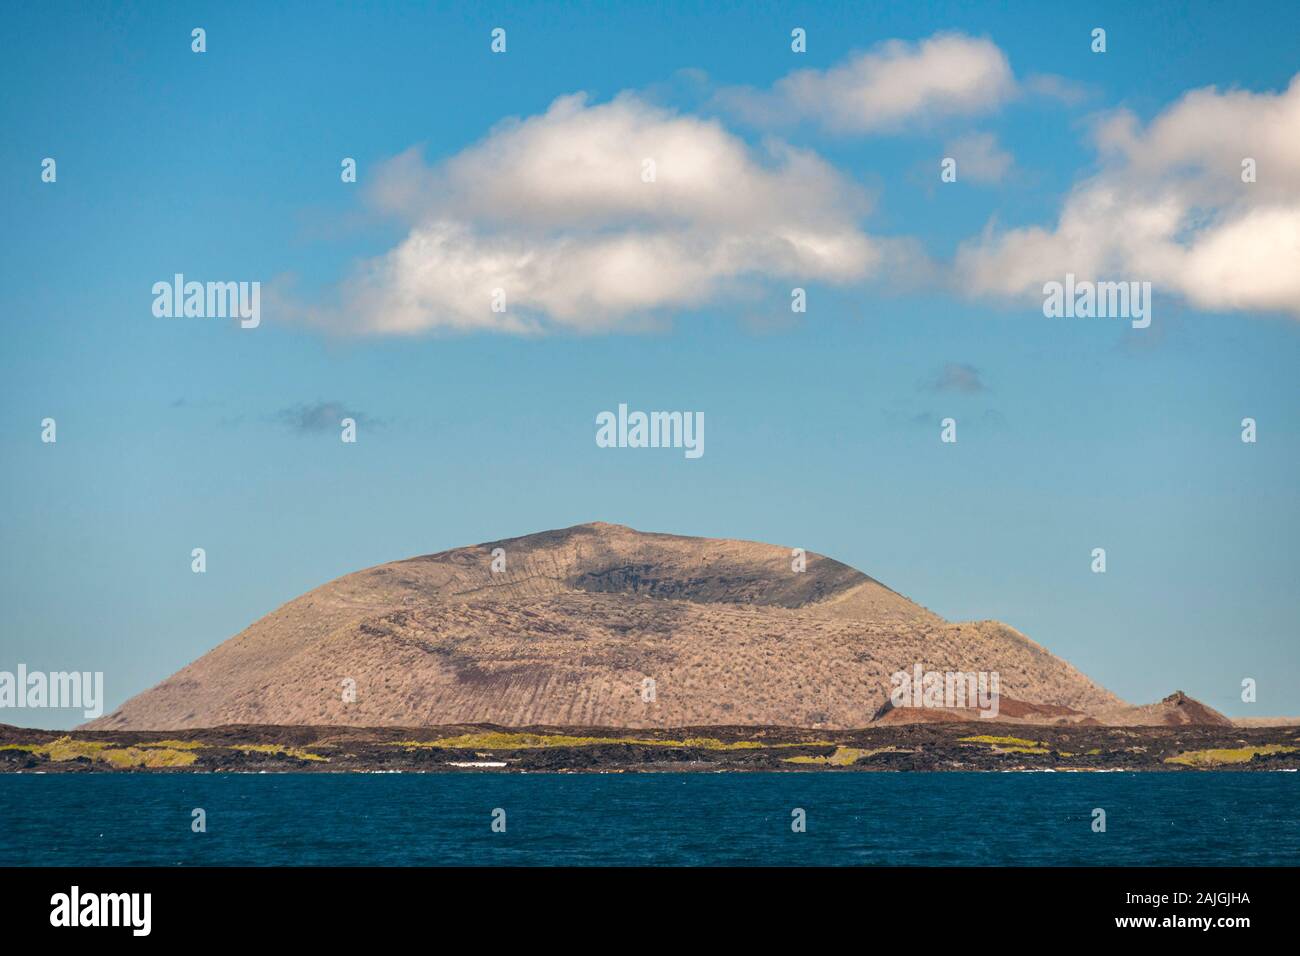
[{"x": 598, "y": 625}]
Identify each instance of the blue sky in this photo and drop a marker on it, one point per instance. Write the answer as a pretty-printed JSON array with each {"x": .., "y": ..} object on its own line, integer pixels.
[{"x": 822, "y": 428}]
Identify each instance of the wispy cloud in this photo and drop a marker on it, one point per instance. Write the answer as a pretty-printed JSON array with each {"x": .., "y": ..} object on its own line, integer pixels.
[{"x": 313, "y": 417}]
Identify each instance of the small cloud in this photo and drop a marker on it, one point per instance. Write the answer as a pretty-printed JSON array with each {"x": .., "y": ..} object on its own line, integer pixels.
[
  {"x": 315, "y": 417},
  {"x": 957, "y": 377},
  {"x": 885, "y": 89}
]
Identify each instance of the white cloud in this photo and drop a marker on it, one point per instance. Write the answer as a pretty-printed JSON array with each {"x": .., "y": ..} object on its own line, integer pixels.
[
  {"x": 948, "y": 74},
  {"x": 1169, "y": 206},
  {"x": 553, "y": 210}
]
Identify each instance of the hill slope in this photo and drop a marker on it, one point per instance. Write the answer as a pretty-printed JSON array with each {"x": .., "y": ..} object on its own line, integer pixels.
[
  {"x": 1176, "y": 710},
  {"x": 570, "y": 631}
]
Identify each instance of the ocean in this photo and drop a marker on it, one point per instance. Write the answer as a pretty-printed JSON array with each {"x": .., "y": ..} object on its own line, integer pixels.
[{"x": 852, "y": 819}]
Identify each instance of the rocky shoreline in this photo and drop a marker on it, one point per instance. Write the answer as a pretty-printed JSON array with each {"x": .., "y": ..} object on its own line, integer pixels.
[{"x": 486, "y": 748}]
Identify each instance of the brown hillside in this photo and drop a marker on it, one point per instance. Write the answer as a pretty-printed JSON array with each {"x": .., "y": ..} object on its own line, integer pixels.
[
  {"x": 1176, "y": 710},
  {"x": 569, "y": 632}
]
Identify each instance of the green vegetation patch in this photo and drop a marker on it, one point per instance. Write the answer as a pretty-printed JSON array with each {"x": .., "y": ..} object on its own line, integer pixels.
[
  {"x": 843, "y": 757},
  {"x": 65, "y": 748},
  {"x": 1007, "y": 745},
  {"x": 1227, "y": 755},
  {"x": 279, "y": 750},
  {"x": 152, "y": 757}
]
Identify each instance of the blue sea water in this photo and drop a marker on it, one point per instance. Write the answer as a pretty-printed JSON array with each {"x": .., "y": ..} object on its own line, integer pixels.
[{"x": 857, "y": 819}]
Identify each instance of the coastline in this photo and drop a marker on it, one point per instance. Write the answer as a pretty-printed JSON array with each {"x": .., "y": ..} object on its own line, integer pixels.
[{"x": 487, "y": 748}]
